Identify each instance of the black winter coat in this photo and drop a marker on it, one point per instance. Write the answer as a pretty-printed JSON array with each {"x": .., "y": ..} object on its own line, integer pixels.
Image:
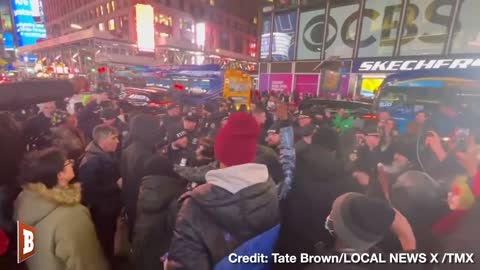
[
  {"x": 99, "y": 173},
  {"x": 132, "y": 171},
  {"x": 319, "y": 179},
  {"x": 212, "y": 222},
  {"x": 156, "y": 212}
]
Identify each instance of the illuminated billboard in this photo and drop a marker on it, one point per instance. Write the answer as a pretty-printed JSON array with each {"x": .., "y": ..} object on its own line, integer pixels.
[
  {"x": 145, "y": 28},
  {"x": 28, "y": 17}
]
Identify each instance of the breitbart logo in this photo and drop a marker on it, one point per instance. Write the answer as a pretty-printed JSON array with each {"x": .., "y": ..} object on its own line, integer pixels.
[{"x": 25, "y": 242}]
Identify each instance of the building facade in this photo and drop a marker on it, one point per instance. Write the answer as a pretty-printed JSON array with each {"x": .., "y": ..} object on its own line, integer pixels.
[
  {"x": 86, "y": 33},
  {"x": 347, "y": 47}
]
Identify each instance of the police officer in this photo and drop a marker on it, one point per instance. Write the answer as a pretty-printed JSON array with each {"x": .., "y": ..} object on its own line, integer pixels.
[
  {"x": 172, "y": 117},
  {"x": 273, "y": 137},
  {"x": 221, "y": 120},
  {"x": 190, "y": 125},
  {"x": 176, "y": 150},
  {"x": 208, "y": 120},
  {"x": 304, "y": 119}
]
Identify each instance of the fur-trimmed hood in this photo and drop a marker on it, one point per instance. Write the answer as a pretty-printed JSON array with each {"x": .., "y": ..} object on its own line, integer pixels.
[{"x": 36, "y": 201}]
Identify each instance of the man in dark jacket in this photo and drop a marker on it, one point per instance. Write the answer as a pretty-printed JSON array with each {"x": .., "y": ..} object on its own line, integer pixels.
[
  {"x": 89, "y": 117},
  {"x": 237, "y": 203},
  {"x": 144, "y": 134},
  {"x": 157, "y": 208},
  {"x": 319, "y": 179},
  {"x": 37, "y": 129},
  {"x": 173, "y": 116},
  {"x": 99, "y": 174}
]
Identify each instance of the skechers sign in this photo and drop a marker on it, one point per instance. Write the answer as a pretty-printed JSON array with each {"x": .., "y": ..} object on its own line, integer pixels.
[
  {"x": 388, "y": 66},
  {"x": 29, "y": 24}
]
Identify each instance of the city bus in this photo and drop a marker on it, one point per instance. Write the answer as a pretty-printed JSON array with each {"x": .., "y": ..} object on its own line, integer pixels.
[{"x": 404, "y": 94}]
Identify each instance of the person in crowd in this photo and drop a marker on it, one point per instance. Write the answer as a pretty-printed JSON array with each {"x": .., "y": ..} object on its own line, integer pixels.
[
  {"x": 238, "y": 202},
  {"x": 417, "y": 126},
  {"x": 207, "y": 123},
  {"x": 89, "y": 117},
  {"x": 37, "y": 129},
  {"x": 260, "y": 115},
  {"x": 66, "y": 135},
  {"x": 65, "y": 235},
  {"x": 273, "y": 137},
  {"x": 13, "y": 145},
  {"x": 304, "y": 119},
  {"x": 176, "y": 151},
  {"x": 109, "y": 116},
  {"x": 99, "y": 174},
  {"x": 173, "y": 115},
  {"x": 145, "y": 133},
  {"x": 204, "y": 153},
  {"x": 190, "y": 125},
  {"x": 463, "y": 238},
  {"x": 368, "y": 157},
  {"x": 221, "y": 120},
  {"x": 307, "y": 136},
  {"x": 419, "y": 198},
  {"x": 358, "y": 223},
  {"x": 157, "y": 208},
  {"x": 446, "y": 119},
  {"x": 343, "y": 120},
  {"x": 319, "y": 178}
]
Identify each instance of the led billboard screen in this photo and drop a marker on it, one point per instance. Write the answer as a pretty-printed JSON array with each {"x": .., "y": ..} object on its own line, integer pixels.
[
  {"x": 28, "y": 16},
  {"x": 145, "y": 27}
]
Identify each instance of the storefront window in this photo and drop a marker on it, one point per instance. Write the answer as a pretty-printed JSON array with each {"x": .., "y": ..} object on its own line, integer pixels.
[
  {"x": 283, "y": 41},
  {"x": 342, "y": 25},
  {"x": 381, "y": 21},
  {"x": 310, "y": 35},
  {"x": 426, "y": 27},
  {"x": 466, "y": 38},
  {"x": 266, "y": 36}
]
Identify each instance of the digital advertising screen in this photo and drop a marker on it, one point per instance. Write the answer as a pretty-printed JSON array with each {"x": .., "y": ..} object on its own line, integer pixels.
[{"x": 28, "y": 16}]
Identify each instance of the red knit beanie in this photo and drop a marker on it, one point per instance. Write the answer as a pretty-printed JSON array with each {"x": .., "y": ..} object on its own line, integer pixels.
[{"x": 236, "y": 142}]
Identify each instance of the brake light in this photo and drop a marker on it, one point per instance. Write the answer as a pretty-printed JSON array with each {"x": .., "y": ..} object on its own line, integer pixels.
[
  {"x": 160, "y": 104},
  {"x": 369, "y": 117},
  {"x": 179, "y": 87}
]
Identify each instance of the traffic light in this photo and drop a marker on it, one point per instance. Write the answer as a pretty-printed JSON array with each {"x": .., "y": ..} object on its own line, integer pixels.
[{"x": 102, "y": 70}]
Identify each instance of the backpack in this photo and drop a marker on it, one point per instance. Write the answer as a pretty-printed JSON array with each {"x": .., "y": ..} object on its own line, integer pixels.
[{"x": 263, "y": 243}]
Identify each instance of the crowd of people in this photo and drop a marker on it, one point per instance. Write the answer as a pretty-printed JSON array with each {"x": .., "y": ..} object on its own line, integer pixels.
[{"x": 185, "y": 189}]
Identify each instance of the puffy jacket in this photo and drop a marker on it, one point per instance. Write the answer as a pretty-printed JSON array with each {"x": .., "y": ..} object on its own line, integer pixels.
[
  {"x": 236, "y": 204},
  {"x": 65, "y": 235},
  {"x": 157, "y": 208}
]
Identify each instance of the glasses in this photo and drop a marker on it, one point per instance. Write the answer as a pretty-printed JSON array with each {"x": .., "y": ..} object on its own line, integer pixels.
[
  {"x": 69, "y": 162},
  {"x": 329, "y": 225}
]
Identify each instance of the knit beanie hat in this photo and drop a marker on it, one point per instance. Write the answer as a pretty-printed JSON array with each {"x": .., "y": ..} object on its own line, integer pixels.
[
  {"x": 236, "y": 142},
  {"x": 359, "y": 221},
  {"x": 461, "y": 188}
]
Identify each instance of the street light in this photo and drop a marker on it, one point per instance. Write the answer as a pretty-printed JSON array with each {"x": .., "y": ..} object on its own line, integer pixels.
[{"x": 76, "y": 26}]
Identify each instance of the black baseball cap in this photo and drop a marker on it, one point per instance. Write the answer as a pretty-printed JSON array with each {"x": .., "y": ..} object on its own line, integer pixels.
[
  {"x": 176, "y": 133},
  {"x": 274, "y": 129},
  {"x": 191, "y": 116}
]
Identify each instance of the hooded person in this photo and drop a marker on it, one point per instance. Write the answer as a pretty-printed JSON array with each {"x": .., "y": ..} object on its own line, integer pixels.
[
  {"x": 157, "y": 207},
  {"x": 65, "y": 235},
  {"x": 238, "y": 202},
  {"x": 358, "y": 223},
  {"x": 144, "y": 136},
  {"x": 318, "y": 180}
]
